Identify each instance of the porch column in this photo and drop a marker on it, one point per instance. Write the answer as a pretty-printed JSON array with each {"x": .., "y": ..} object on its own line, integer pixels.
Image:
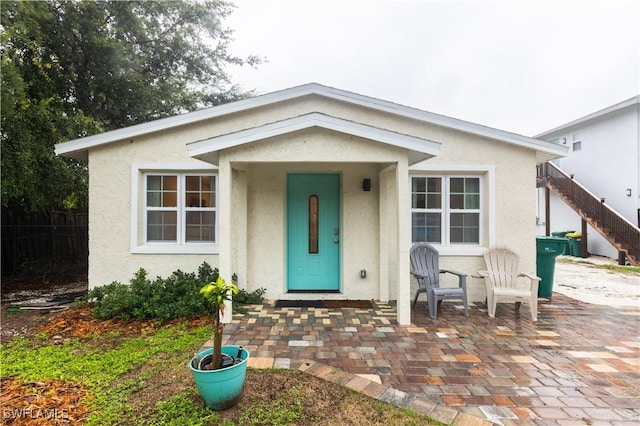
[
  {"x": 404, "y": 244},
  {"x": 395, "y": 239},
  {"x": 225, "y": 231},
  {"x": 386, "y": 230},
  {"x": 239, "y": 218}
]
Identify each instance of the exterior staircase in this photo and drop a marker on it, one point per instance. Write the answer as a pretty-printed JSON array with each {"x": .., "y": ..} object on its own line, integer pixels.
[{"x": 621, "y": 233}]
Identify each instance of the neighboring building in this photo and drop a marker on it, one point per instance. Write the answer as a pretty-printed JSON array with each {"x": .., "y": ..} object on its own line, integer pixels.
[
  {"x": 604, "y": 157},
  {"x": 300, "y": 191}
]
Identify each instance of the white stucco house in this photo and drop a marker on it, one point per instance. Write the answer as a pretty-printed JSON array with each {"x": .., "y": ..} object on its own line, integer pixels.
[
  {"x": 310, "y": 192},
  {"x": 604, "y": 157}
]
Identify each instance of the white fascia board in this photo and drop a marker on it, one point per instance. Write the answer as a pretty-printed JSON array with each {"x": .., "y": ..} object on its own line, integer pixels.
[
  {"x": 598, "y": 114},
  {"x": 171, "y": 122},
  {"x": 420, "y": 149},
  {"x": 440, "y": 120},
  {"x": 74, "y": 147}
]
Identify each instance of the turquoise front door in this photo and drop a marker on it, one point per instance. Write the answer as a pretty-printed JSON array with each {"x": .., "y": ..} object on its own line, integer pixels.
[{"x": 313, "y": 232}]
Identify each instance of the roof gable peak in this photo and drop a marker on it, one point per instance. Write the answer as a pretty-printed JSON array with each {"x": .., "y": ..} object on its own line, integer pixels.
[{"x": 78, "y": 148}]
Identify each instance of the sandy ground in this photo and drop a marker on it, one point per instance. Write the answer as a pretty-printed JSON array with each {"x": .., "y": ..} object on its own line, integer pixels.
[{"x": 596, "y": 285}]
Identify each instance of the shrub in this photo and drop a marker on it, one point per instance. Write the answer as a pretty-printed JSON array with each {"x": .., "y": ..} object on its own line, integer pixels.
[
  {"x": 245, "y": 298},
  {"x": 177, "y": 296}
]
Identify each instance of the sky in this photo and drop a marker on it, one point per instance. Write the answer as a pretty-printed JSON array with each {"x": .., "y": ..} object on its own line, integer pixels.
[{"x": 520, "y": 66}]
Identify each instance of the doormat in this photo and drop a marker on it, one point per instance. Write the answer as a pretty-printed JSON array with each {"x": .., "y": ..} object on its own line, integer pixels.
[{"x": 329, "y": 304}]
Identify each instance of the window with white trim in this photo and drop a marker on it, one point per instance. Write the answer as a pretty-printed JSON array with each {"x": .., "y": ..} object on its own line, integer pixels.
[
  {"x": 180, "y": 208},
  {"x": 576, "y": 142},
  {"x": 446, "y": 209}
]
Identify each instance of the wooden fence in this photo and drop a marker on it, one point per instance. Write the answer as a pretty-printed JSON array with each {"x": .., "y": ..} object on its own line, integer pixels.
[{"x": 34, "y": 240}]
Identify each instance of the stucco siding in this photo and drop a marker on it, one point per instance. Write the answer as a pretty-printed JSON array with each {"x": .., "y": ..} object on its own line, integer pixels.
[
  {"x": 515, "y": 204},
  {"x": 606, "y": 164},
  {"x": 513, "y": 193},
  {"x": 257, "y": 234},
  {"x": 110, "y": 257},
  {"x": 270, "y": 161}
]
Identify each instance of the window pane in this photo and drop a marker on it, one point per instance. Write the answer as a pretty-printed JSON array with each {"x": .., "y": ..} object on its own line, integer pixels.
[
  {"x": 162, "y": 191},
  {"x": 426, "y": 227},
  {"x": 456, "y": 201},
  {"x": 154, "y": 183},
  {"x": 209, "y": 190},
  {"x": 161, "y": 226},
  {"x": 472, "y": 201},
  {"x": 434, "y": 193},
  {"x": 169, "y": 191},
  {"x": 200, "y": 226},
  {"x": 193, "y": 183},
  {"x": 426, "y": 193},
  {"x": 418, "y": 193},
  {"x": 472, "y": 185},
  {"x": 418, "y": 201},
  {"x": 200, "y": 191},
  {"x": 154, "y": 191},
  {"x": 193, "y": 200},
  {"x": 169, "y": 199},
  {"x": 418, "y": 184},
  {"x": 193, "y": 196},
  {"x": 434, "y": 185},
  {"x": 464, "y": 193},
  {"x": 434, "y": 201},
  {"x": 464, "y": 228},
  {"x": 457, "y": 185},
  {"x": 314, "y": 220},
  {"x": 471, "y": 235},
  {"x": 153, "y": 199}
]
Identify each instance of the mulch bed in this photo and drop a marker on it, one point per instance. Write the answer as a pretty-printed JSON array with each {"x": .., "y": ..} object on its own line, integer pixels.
[
  {"x": 55, "y": 402},
  {"x": 79, "y": 322},
  {"x": 50, "y": 402}
]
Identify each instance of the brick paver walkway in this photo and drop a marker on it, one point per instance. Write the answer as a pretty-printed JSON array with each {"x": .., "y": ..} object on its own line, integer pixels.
[{"x": 578, "y": 365}]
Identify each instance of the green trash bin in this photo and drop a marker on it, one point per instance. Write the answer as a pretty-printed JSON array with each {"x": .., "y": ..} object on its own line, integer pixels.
[
  {"x": 547, "y": 249},
  {"x": 575, "y": 243},
  {"x": 563, "y": 234}
]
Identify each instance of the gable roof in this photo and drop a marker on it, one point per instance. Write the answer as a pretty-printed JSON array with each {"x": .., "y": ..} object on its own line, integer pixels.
[
  {"x": 78, "y": 148},
  {"x": 634, "y": 101},
  {"x": 419, "y": 149}
]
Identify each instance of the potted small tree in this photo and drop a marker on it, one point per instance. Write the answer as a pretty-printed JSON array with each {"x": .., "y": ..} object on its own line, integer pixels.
[{"x": 220, "y": 371}]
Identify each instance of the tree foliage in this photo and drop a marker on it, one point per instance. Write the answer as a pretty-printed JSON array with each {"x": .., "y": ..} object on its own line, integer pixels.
[{"x": 75, "y": 68}]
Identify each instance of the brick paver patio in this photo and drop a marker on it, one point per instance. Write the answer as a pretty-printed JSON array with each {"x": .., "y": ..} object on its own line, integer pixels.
[{"x": 578, "y": 365}]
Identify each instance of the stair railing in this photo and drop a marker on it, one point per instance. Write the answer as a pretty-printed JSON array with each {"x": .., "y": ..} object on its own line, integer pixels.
[{"x": 620, "y": 232}]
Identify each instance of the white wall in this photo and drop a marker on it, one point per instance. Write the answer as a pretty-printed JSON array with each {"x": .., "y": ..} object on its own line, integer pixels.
[
  {"x": 607, "y": 165},
  {"x": 260, "y": 168},
  {"x": 267, "y": 164}
]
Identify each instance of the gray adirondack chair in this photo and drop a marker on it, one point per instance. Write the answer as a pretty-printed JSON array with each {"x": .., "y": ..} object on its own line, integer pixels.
[{"x": 425, "y": 267}]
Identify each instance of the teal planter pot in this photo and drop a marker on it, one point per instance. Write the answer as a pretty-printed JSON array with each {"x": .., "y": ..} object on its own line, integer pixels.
[{"x": 221, "y": 388}]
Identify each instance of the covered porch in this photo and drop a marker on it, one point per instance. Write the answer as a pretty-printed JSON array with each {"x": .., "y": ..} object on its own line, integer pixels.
[{"x": 257, "y": 216}]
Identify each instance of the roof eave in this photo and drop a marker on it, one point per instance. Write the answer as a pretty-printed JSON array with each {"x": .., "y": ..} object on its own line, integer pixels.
[
  {"x": 71, "y": 148},
  {"x": 589, "y": 117}
]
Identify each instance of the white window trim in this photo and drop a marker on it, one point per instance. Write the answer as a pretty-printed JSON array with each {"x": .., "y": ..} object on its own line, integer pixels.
[
  {"x": 138, "y": 172},
  {"x": 487, "y": 173}
]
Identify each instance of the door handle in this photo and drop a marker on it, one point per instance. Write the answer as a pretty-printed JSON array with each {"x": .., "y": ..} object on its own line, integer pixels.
[{"x": 336, "y": 240}]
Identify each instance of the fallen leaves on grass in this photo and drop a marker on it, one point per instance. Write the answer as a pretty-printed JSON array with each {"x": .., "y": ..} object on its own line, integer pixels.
[
  {"x": 49, "y": 402},
  {"x": 79, "y": 322}
]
